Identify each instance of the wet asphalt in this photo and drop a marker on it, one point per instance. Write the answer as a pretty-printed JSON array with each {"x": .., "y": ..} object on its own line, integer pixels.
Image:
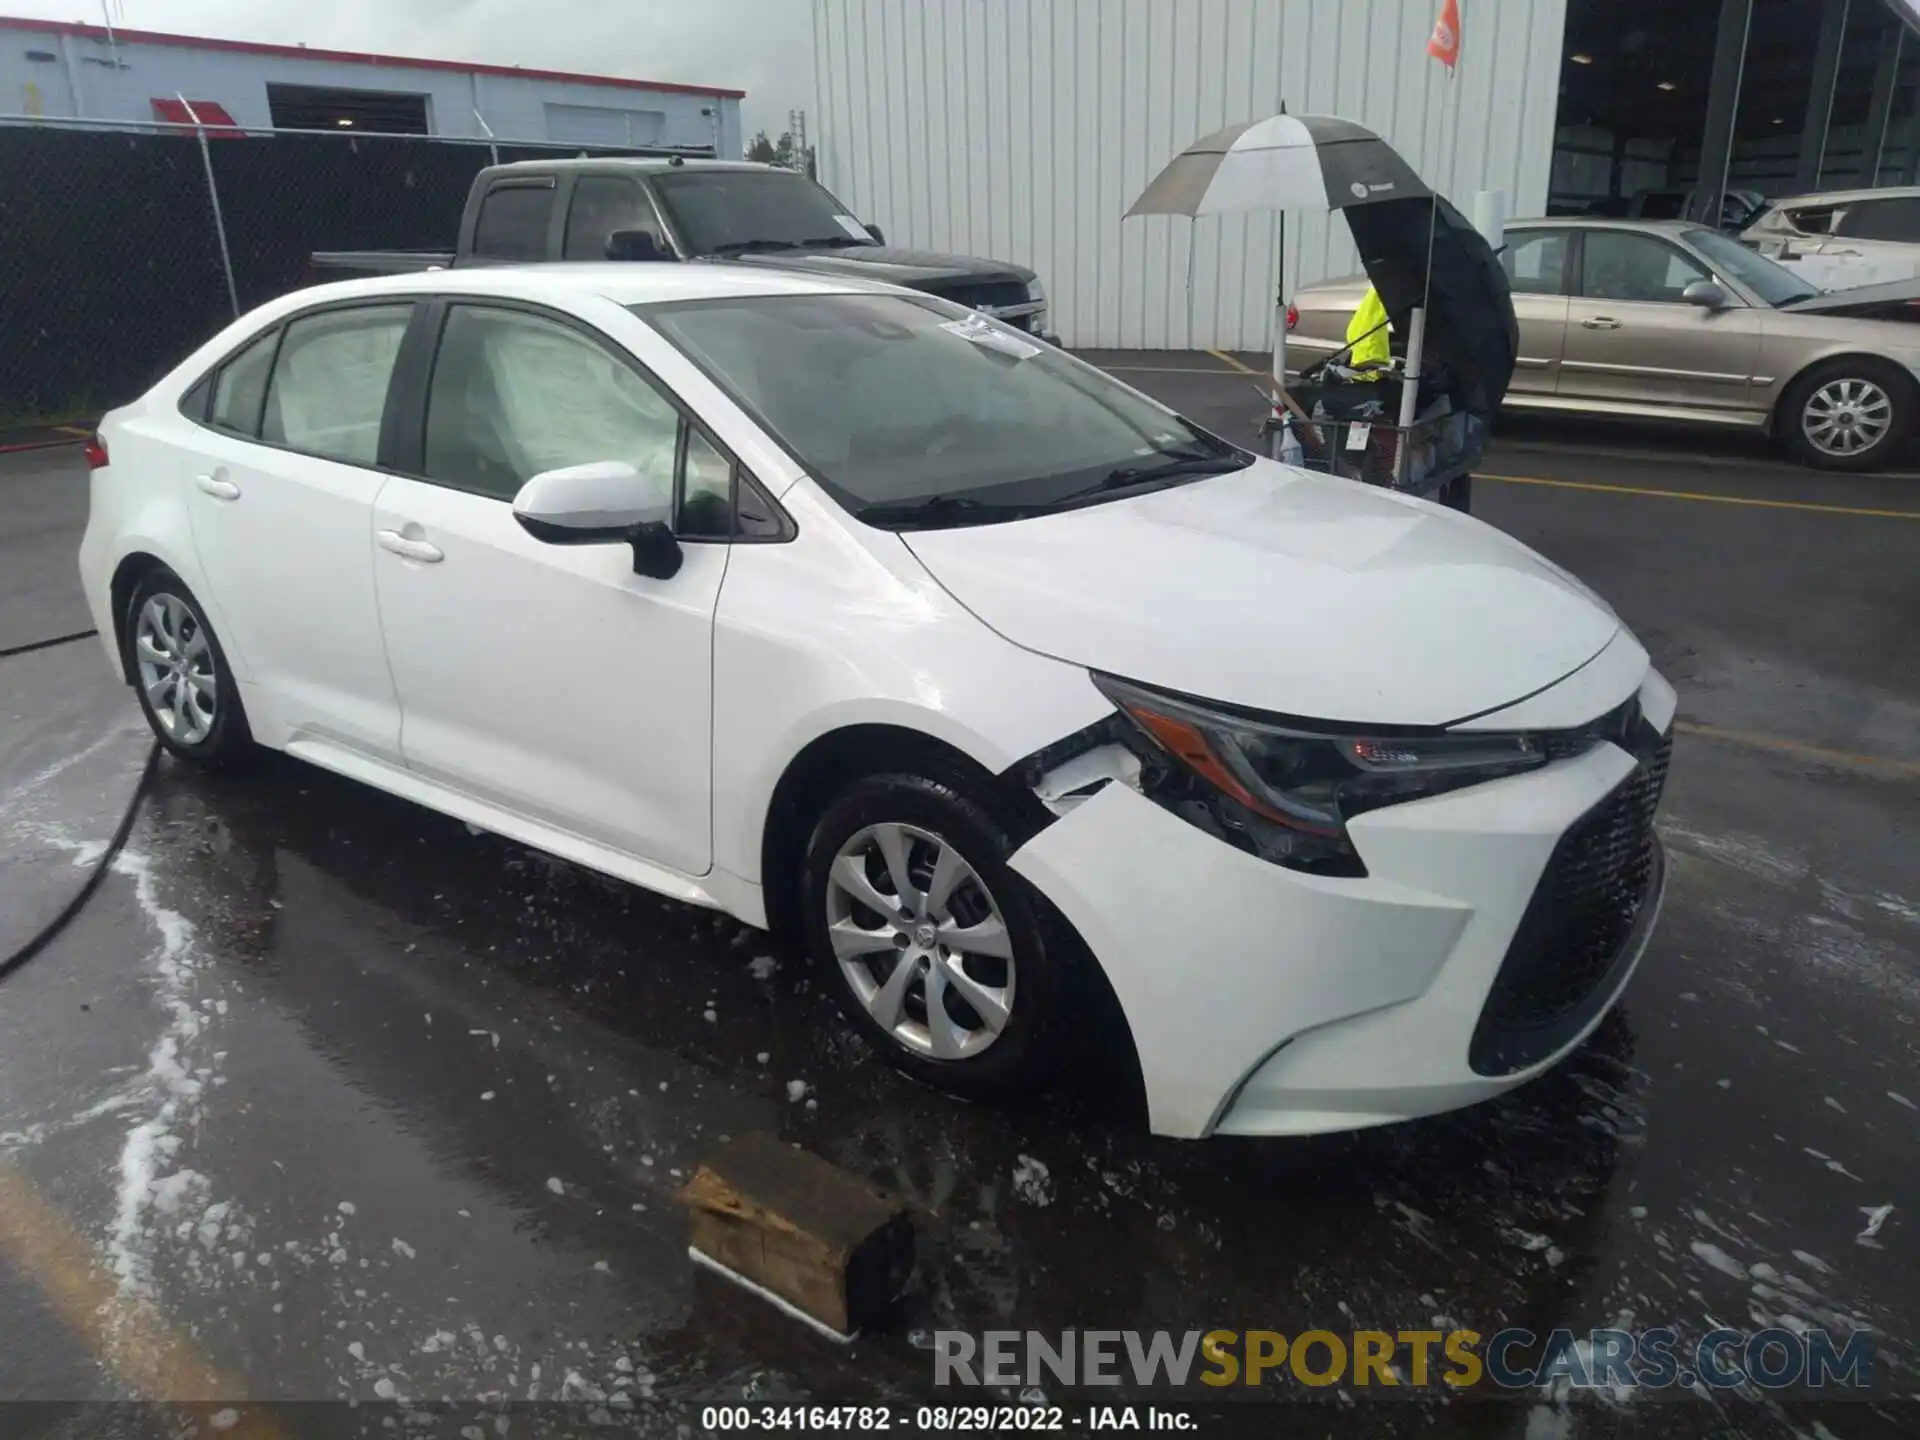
[{"x": 340, "y": 1100}]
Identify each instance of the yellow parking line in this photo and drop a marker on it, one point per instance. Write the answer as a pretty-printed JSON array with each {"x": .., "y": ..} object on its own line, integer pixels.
[
  {"x": 1702, "y": 495},
  {"x": 1174, "y": 370},
  {"x": 1237, "y": 364},
  {"x": 83, "y": 433},
  {"x": 129, "y": 1335},
  {"x": 1784, "y": 746}
]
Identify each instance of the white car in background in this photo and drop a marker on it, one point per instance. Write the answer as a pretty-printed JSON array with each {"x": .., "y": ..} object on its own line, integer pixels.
[
  {"x": 1016, "y": 699},
  {"x": 1843, "y": 239}
]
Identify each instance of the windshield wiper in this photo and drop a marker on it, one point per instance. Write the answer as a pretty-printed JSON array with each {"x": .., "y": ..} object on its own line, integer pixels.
[
  {"x": 834, "y": 242},
  {"x": 943, "y": 510},
  {"x": 741, "y": 247},
  {"x": 1172, "y": 465}
]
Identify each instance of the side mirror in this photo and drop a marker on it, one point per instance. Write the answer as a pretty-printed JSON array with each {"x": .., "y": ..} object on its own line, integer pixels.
[
  {"x": 635, "y": 245},
  {"x": 874, "y": 231},
  {"x": 603, "y": 502},
  {"x": 1705, "y": 294}
]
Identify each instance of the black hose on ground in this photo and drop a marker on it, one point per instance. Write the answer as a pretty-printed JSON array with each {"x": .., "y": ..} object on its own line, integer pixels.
[{"x": 41, "y": 938}]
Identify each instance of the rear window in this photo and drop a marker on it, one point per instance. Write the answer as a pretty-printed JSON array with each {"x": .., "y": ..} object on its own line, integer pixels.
[{"x": 513, "y": 222}]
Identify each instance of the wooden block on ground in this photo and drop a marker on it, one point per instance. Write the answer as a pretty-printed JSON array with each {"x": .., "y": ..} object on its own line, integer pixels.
[{"x": 829, "y": 1244}]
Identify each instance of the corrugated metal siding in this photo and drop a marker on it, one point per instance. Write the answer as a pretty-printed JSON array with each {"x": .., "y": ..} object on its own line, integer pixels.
[{"x": 1022, "y": 129}]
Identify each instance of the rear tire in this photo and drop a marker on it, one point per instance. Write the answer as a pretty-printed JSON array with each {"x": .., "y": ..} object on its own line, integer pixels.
[
  {"x": 1850, "y": 414},
  {"x": 962, "y": 983},
  {"x": 181, "y": 676}
]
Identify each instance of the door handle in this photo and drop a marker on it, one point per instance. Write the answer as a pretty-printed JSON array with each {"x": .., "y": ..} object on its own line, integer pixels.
[
  {"x": 216, "y": 487},
  {"x": 1600, "y": 322},
  {"x": 399, "y": 544}
]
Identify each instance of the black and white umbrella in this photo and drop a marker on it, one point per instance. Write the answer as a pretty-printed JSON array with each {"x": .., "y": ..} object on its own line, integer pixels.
[{"x": 1284, "y": 162}]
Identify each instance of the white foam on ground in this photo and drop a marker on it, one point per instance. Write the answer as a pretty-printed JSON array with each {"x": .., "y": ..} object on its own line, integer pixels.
[{"x": 785, "y": 1307}]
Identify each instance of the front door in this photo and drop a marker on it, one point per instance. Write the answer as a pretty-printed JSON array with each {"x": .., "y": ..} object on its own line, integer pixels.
[
  {"x": 549, "y": 680},
  {"x": 1633, "y": 341},
  {"x": 281, "y": 498}
]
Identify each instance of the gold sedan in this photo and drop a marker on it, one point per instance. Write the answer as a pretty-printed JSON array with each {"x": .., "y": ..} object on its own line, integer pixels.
[{"x": 1671, "y": 321}]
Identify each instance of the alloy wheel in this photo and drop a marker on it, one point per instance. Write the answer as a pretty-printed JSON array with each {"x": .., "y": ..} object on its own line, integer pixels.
[
  {"x": 174, "y": 655},
  {"x": 1847, "y": 416},
  {"x": 921, "y": 941}
]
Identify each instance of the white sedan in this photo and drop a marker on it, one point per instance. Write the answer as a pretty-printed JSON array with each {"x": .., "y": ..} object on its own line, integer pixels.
[{"x": 1011, "y": 695}]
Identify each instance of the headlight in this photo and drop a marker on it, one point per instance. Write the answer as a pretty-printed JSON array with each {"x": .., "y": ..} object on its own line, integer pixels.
[
  {"x": 1037, "y": 293},
  {"x": 1286, "y": 794}
]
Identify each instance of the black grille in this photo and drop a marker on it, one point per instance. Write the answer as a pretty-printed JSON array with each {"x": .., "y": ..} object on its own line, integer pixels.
[{"x": 1583, "y": 915}]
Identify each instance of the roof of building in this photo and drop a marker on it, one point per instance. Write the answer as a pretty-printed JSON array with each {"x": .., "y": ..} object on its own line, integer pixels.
[{"x": 351, "y": 57}]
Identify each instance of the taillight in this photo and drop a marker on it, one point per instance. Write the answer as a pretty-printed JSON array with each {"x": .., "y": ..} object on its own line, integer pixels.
[
  {"x": 1293, "y": 318},
  {"x": 96, "y": 453}
]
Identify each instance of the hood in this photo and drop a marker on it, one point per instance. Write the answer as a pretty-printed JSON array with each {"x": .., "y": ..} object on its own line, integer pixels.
[
  {"x": 1471, "y": 326},
  {"x": 1892, "y": 300},
  {"x": 926, "y": 270},
  {"x": 1281, "y": 591}
]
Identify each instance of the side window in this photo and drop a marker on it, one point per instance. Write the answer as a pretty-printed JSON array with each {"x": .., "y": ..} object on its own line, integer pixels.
[
  {"x": 1536, "y": 261},
  {"x": 513, "y": 222},
  {"x": 329, "y": 386},
  {"x": 706, "y": 493},
  {"x": 1625, "y": 265},
  {"x": 1817, "y": 221},
  {"x": 240, "y": 389},
  {"x": 601, "y": 205},
  {"x": 514, "y": 394},
  {"x": 1894, "y": 218}
]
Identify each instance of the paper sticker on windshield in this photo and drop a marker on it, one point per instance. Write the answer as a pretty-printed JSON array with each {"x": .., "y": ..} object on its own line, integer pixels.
[
  {"x": 988, "y": 336},
  {"x": 1357, "y": 436},
  {"x": 853, "y": 227}
]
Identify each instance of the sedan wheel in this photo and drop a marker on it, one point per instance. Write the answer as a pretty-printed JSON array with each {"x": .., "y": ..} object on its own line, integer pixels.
[
  {"x": 174, "y": 655},
  {"x": 181, "y": 674},
  {"x": 920, "y": 941},
  {"x": 937, "y": 951},
  {"x": 1847, "y": 416}
]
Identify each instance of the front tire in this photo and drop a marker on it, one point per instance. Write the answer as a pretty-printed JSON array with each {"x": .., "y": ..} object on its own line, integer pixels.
[
  {"x": 1848, "y": 414},
  {"x": 943, "y": 957},
  {"x": 181, "y": 676}
]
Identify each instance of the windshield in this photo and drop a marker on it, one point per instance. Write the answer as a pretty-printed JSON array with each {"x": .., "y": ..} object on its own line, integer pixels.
[
  {"x": 716, "y": 211},
  {"x": 1773, "y": 283},
  {"x": 912, "y": 412}
]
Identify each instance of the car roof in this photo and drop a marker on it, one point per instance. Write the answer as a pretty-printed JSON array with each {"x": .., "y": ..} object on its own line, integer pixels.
[
  {"x": 635, "y": 162},
  {"x": 623, "y": 282},
  {"x": 1606, "y": 222},
  {"x": 1849, "y": 197}
]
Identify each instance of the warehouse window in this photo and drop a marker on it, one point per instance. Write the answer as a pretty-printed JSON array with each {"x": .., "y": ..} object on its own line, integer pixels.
[{"x": 319, "y": 107}]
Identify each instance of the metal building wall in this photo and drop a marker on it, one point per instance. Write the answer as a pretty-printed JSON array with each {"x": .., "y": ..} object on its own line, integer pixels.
[{"x": 1022, "y": 129}]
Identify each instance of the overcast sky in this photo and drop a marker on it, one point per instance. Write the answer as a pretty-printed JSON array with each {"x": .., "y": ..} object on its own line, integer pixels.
[{"x": 764, "y": 47}]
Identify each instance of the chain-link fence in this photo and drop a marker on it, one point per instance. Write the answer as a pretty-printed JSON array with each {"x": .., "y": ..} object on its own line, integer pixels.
[{"x": 122, "y": 247}]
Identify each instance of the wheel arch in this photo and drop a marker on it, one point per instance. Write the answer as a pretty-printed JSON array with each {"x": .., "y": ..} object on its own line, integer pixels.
[
  {"x": 838, "y": 757},
  {"x": 134, "y": 567}
]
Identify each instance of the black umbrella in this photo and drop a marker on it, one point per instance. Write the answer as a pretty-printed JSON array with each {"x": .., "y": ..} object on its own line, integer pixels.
[{"x": 1424, "y": 253}]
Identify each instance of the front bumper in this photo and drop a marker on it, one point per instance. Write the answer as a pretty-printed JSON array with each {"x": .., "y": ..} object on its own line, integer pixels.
[{"x": 1265, "y": 1001}]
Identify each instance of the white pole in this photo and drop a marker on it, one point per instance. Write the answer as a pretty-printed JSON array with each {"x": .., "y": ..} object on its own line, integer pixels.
[
  {"x": 1410, "y": 386},
  {"x": 1274, "y": 440},
  {"x": 1490, "y": 216}
]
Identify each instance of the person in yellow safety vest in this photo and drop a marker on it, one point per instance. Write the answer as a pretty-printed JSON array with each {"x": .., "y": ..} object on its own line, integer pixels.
[{"x": 1368, "y": 338}]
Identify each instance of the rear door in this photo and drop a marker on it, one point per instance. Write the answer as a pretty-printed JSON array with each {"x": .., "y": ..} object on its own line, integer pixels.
[
  {"x": 550, "y": 680},
  {"x": 282, "y": 513},
  {"x": 1633, "y": 342},
  {"x": 1539, "y": 267}
]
